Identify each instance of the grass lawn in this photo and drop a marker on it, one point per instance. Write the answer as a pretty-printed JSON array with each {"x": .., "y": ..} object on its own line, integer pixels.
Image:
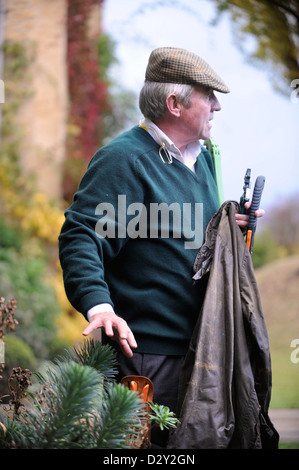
[
  {"x": 278, "y": 285},
  {"x": 289, "y": 445},
  {"x": 285, "y": 380}
]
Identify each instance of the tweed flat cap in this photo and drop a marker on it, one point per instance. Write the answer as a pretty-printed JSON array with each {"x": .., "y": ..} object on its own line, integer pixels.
[{"x": 173, "y": 65}]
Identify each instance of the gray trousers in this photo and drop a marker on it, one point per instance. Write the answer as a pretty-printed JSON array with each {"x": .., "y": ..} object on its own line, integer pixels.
[{"x": 164, "y": 372}]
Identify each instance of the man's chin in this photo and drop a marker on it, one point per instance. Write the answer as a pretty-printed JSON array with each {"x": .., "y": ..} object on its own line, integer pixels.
[{"x": 206, "y": 135}]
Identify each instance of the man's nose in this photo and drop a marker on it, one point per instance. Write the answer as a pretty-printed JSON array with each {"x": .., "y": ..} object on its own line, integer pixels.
[{"x": 216, "y": 106}]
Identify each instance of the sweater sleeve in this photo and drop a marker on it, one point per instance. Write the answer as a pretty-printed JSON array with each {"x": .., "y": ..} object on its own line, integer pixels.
[{"x": 94, "y": 231}]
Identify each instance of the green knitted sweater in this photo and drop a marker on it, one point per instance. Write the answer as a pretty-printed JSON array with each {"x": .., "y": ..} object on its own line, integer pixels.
[{"x": 131, "y": 235}]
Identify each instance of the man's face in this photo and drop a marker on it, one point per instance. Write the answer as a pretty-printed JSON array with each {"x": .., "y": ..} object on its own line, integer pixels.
[{"x": 196, "y": 120}]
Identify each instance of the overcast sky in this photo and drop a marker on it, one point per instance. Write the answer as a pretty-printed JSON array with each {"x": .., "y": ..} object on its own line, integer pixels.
[{"x": 256, "y": 128}]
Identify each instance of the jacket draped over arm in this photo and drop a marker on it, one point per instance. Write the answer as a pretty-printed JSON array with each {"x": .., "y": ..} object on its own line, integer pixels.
[{"x": 225, "y": 385}]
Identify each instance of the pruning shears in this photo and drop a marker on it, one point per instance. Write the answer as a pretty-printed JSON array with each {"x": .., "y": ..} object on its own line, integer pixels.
[
  {"x": 246, "y": 191},
  {"x": 255, "y": 204}
]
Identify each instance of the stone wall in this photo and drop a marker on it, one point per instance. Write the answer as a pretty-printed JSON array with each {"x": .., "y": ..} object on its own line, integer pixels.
[{"x": 41, "y": 26}]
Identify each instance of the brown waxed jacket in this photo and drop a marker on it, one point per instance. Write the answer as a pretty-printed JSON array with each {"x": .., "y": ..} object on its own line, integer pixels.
[{"x": 225, "y": 386}]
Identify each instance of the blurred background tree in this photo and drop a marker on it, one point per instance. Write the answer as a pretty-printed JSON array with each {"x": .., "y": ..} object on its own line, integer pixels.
[
  {"x": 279, "y": 235},
  {"x": 99, "y": 106},
  {"x": 265, "y": 31},
  {"x": 274, "y": 27}
]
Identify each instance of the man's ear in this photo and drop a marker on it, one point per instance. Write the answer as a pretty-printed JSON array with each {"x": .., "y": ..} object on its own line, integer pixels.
[{"x": 173, "y": 106}]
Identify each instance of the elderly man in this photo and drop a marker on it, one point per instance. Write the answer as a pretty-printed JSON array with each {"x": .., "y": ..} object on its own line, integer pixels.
[{"x": 138, "y": 219}]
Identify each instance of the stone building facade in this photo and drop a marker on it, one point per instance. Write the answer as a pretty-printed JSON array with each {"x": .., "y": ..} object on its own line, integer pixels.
[{"x": 40, "y": 25}]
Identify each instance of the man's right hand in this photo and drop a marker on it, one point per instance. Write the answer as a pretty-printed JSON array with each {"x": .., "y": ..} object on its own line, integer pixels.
[{"x": 116, "y": 328}]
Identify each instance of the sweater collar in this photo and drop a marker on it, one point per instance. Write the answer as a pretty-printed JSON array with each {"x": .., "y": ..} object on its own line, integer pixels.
[{"x": 191, "y": 152}]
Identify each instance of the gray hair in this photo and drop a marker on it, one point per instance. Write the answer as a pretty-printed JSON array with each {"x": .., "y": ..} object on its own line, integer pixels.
[{"x": 152, "y": 98}]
